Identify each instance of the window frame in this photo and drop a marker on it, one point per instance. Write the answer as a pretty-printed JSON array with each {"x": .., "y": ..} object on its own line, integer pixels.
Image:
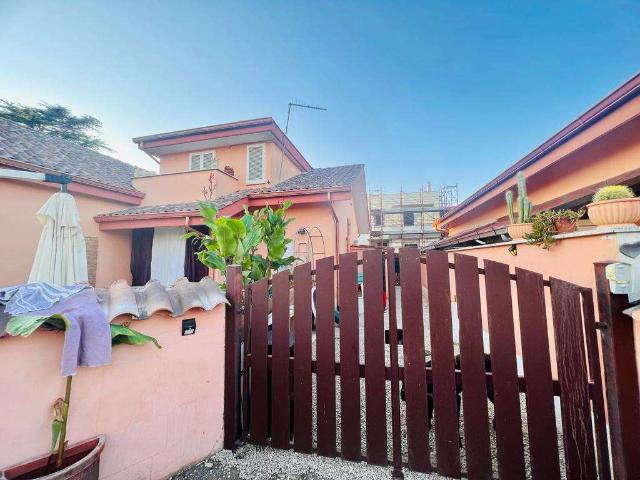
[
  {"x": 202, "y": 154},
  {"x": 263, "y": 178}
]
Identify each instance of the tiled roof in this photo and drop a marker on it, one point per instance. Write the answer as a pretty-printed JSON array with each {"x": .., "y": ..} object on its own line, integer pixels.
[
  {"x": 142, "y": 302},
  {"x": 186, "y": 207},
  {"x": 342, "y": 176},
  {"x": 44, "y": 152},
  {"x": 320, "y": 178}
]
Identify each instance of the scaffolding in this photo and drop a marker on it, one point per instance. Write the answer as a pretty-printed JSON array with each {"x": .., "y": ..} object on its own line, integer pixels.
[{"x": 400, "y": 219}]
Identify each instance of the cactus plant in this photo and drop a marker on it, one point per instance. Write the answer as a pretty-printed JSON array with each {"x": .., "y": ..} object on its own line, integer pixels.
[
  {"x": 613, "y": 192},
  {"x": 524, "y": 205},
  {"x": 509, "y": 198}
]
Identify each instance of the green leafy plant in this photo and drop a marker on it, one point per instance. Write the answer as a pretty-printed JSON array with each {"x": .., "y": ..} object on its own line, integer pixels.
[
  {"x": 613, "y": 192},
  {"x": 25, "y": 325},
  {"x": 524, "y": 205},
  {"x": 543, "y": 230},
  {"x": 243, "y": 241},
  {"x": 570, "y": 215},
  {"x": 544, "y": 226}
]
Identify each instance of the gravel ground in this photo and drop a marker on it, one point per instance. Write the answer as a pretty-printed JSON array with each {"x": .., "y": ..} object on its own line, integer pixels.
[{"x": 260, "y": 463}]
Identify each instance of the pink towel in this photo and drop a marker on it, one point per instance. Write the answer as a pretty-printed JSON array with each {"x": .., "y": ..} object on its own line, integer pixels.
[{"x": 87, "y": 341}]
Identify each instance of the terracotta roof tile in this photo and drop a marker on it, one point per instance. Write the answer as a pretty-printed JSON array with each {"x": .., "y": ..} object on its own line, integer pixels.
[
  {"x": 142, "y": 302},
  {"x": 46, "y": 152},
  {"x": 343, "y": 176}
]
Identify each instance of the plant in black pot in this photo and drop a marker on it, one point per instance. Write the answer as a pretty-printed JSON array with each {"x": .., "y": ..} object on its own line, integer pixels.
[{"x": 79, "y": 461}]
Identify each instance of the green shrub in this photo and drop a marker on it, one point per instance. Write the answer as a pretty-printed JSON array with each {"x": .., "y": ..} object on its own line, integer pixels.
[
  {"x": 613, "y": 192},
  {"x": 543, "y": 230},
  {"x": 544, "y": 227}
]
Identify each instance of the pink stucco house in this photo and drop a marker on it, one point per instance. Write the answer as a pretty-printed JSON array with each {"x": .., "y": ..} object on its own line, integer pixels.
[{"x": 128, "y": 213}]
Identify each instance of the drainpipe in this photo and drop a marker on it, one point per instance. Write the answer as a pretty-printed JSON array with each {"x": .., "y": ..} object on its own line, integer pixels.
[
  {"x": 336, "y": 225},
  {"x": 336, "y": 253}
]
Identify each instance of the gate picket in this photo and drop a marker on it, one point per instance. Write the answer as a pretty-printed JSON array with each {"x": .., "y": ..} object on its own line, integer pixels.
[
  {"x": 280, "y": 375},
  {"x": 375, "y": 384},
  {"x": 349, "y": 357},
  {"x": 414, "y": 361},
  {"x": 395, "y": 371},
  {"x": 474, "y": 384},
  {"x": 259, "y": 410},
  {"x": 443, "y": 361},
  {"x": 302, "y": 440},
  {"x": 504, "y": 371},
  {"x": 599, "y": 414},
  {"x": 326, "y": 357},
  {"x": 543, "y": 443},
  {"x": 574, "y": 382}
]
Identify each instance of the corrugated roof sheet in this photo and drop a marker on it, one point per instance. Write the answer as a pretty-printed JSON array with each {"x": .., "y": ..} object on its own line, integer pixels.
[
  {"x": 142, "y": 302},
  {"x": 46, "y": 152}
]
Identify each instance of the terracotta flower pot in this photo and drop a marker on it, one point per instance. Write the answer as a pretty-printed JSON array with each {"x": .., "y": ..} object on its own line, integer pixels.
[
  {"x": 519, "y": 230},
  {"x": 81, "y": 462},
  {"x": 615, "y": 212},
  {"x": 565, "y": 225}
]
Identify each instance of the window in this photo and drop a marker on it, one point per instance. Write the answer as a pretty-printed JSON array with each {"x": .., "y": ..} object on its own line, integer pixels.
[
  {"x": 409, "y": 219},
  {"x": 377, "y": 217},
  {"x": 203, "y": 161},
  {"x": 255, "y": 164}
]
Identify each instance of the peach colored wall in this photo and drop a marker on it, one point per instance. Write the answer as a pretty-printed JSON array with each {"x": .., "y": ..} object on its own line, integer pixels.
[
  {"x": 348, "y": 224},
  {"x": 160, "y": 409},
  {"x": 236, "y": 157},
  {"x": 21, "y": 200},
  {"x": 318, "y": 215},
  {"x": 597, "y": 154},
  {"x": 182, "y": 186},
  {"x": 281, "y": 166}
]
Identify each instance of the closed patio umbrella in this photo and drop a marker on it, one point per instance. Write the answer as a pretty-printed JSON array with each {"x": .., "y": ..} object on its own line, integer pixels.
[{"x": 61, "y": 257}]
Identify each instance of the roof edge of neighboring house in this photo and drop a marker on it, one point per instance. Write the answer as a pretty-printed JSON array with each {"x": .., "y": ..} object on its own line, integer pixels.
[
  {"x": 617, "y": 98},
  {"x": 117, "y": 217},
  {"x": 231, "y": 129},
  {"x": 136, "y": 194}
]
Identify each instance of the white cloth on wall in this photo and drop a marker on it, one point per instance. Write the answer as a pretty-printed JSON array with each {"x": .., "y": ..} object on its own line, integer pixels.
[{"x": 167, "y": 255}]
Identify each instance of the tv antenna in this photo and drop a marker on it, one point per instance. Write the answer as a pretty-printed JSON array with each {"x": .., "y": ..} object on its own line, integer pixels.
[{"x": 292, "y": 107}]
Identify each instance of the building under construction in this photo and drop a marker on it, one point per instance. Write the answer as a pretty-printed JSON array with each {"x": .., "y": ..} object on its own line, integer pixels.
[{"x": 405, "y": 219}]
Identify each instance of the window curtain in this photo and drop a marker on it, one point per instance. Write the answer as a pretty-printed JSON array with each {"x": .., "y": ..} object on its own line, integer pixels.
[
  {"x": 141, "y": 245},
  {"x": 167, "y": 255},
  {"x": 193, "y": 269}
]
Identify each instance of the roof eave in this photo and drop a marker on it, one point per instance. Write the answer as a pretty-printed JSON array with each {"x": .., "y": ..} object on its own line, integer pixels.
[
  {"x": 614, "y": 100},
  {"x": 133, "y": 196}
]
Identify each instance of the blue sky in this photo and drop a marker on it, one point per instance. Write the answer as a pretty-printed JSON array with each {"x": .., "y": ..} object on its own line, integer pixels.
[{"x": 452, "y": 92}]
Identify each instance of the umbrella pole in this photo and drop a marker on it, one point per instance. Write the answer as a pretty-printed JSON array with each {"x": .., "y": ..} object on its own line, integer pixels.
[{"x": 65, "y": 415}]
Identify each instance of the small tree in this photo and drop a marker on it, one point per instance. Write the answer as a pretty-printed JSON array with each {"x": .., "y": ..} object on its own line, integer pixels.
[
  {"x": 58, "y": 121},
  {"x": 238, "y": 241}
]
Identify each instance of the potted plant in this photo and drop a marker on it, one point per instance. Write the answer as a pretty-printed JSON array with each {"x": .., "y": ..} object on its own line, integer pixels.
[
  {"x": 565, "y": 221},
  {"x": 614, "y": 205},
  {"x": 80, "y": 461},
  {"x": 546, "y": 225},
  {"x": 523, "y": 226}
]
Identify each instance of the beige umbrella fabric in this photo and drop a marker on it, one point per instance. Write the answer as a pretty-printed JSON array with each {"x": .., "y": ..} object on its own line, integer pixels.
[{"x": 61, "y": 257}]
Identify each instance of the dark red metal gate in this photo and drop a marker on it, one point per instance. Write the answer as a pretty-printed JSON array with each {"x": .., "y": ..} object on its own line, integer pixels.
[{"x": 280, "y": 366}]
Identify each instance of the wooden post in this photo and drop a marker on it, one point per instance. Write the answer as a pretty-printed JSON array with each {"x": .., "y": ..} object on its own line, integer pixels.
[
  {"x": 621, "y": 378},
  {"x": 232, "y": 343}
]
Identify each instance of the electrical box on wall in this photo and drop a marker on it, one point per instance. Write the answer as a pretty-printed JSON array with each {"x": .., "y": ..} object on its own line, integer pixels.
[{"x": 188, "y": 326}]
